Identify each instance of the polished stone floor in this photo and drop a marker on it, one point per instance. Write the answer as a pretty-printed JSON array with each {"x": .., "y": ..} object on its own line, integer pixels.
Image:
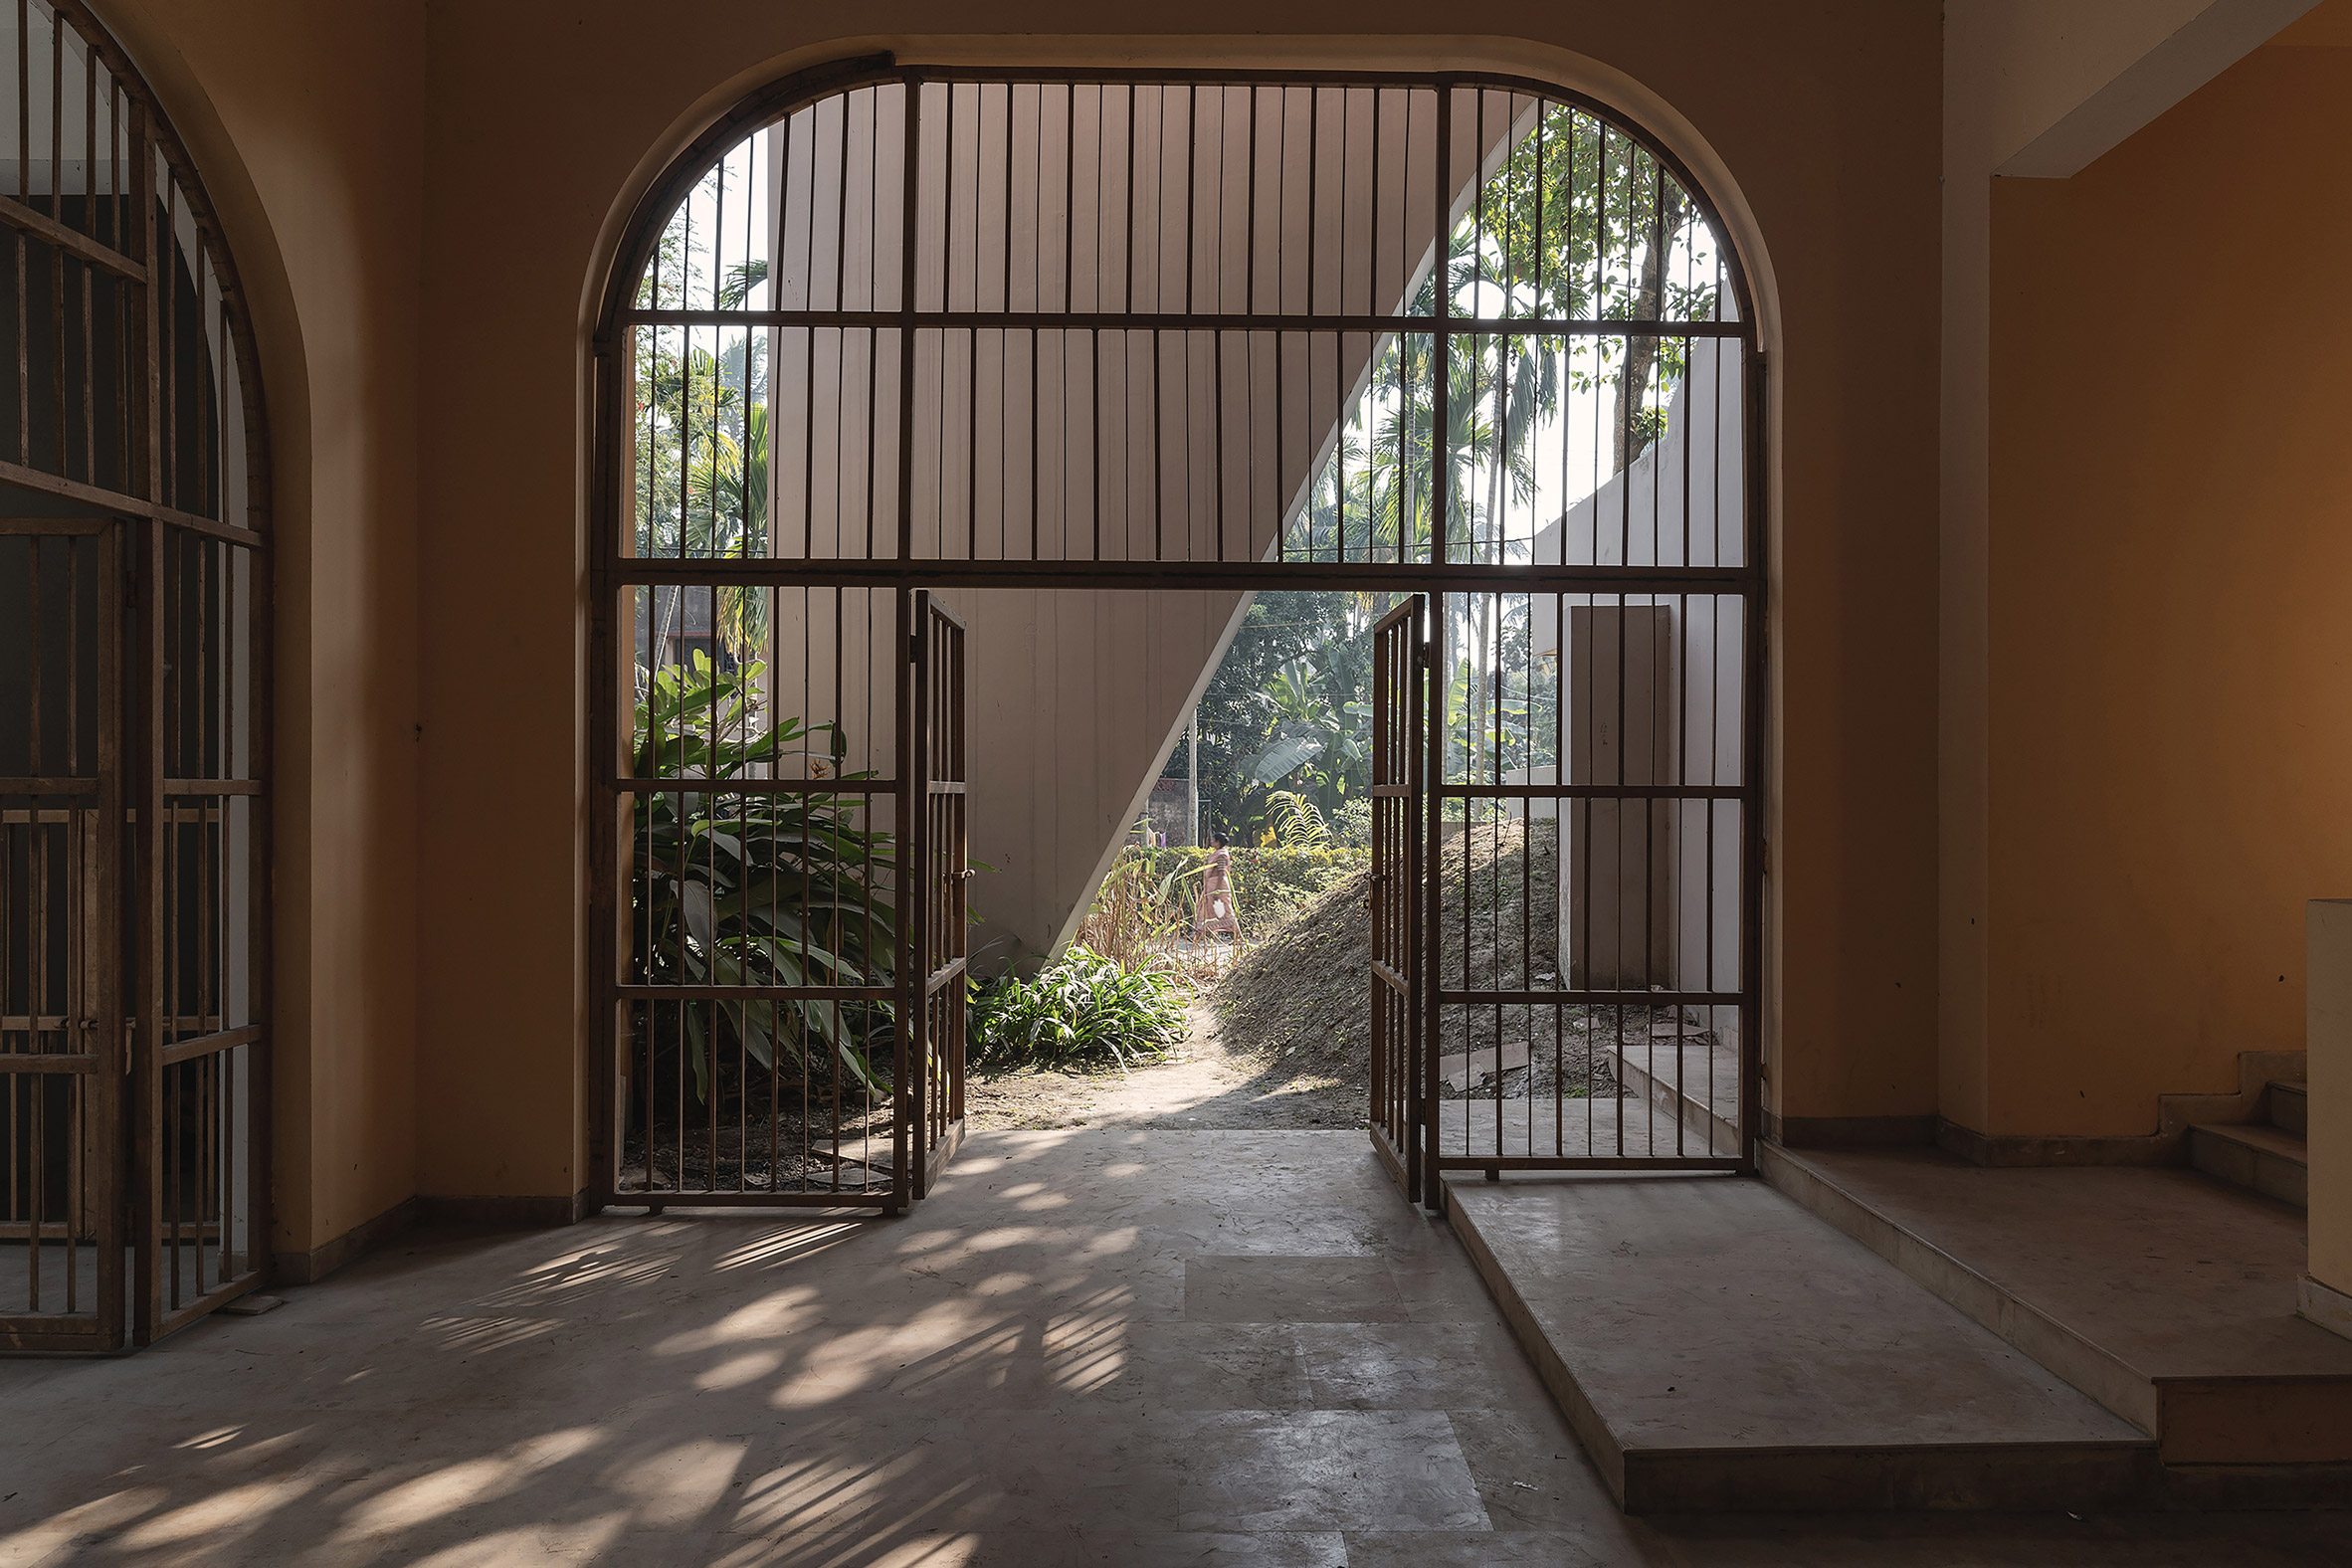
[{"x": 1118, "y": 1347}]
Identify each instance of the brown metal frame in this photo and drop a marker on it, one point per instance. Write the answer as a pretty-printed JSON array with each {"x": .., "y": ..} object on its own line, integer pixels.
[
  {"x": 1411, "y": 703},
  {"x": 938, "y": 988},
  {"x": 1399, "y": 666},
  {"x": 182, "y": 642}
]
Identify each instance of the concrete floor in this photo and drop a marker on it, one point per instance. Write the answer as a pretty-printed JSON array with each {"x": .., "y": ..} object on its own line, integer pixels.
[{"x": 1125, "y": 1347}]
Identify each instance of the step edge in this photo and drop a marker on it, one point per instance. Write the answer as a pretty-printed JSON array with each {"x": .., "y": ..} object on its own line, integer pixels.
[
  {"x": 2024, "y": 1447},
  {"x": 2193, "y": 1381},
  {"x": 2266, "y": 1139},
  {"x": 2141, "y": 1408},
  {"x": 1689, "y": 1107},
  {"x": 1975, "y": 1478},
  {"x": 1584, "y": 1421}
]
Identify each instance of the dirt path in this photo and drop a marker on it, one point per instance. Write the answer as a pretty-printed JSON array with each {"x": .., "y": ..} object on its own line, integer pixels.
[{"x": 1200, "y": 1086}]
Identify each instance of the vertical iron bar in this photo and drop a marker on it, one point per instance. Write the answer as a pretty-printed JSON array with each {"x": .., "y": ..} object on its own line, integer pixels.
[
  {"x": 915, "y": 766},
  {"x": 1442, "y": 347},
  {"x": 1754, "y": 673},
  {"x": 909, "y": 179},
  {"x": 1431, "y": 776}
]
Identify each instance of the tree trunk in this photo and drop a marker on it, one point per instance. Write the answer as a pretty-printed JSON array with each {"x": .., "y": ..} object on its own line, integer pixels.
[{"x": 1641, "y": 353}]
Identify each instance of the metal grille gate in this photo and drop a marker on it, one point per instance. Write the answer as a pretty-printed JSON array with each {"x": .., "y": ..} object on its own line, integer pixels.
[
  {"x": 134, "y": 595},
  {"x": 941, "y": 925},
  {"x": 1399, "y": 677},
  {"x": 788, "y": 1024},
  {"x": 892, "y": 328},
  {"x": 1549, "y": 1057}
]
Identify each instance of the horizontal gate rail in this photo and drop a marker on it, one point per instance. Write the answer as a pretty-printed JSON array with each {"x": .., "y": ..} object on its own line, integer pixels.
[
  {"x": 1206, "y": 321},
  {"x": 1174, "y": 573}
]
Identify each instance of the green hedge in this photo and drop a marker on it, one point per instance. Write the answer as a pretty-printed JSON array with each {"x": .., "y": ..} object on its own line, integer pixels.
[{"x": 1270, "y": 885}]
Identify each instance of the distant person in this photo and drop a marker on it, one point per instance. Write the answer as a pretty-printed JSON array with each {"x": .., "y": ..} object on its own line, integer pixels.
[{"x": 1214, "y": 910}]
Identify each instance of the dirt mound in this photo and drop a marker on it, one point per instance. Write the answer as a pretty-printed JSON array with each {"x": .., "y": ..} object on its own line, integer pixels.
[{"x": 1302, "y": 995}]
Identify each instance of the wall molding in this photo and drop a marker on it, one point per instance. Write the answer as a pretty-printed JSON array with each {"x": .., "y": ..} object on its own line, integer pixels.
[
  {"x": 310, "y": 1266},
  {"x": 2167, "y": 1145},
  {"x": 1850, "y": 1132},
  {"x": 535, "y": 1212},
  {"x": 532, "y": 1213}
]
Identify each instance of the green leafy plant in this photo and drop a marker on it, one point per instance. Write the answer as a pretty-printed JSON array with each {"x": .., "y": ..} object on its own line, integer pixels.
[
  {"x": 1297, "y": 824},
  {"x": 755, "y": 888},
  {"x": 1082, "y": 1009}
]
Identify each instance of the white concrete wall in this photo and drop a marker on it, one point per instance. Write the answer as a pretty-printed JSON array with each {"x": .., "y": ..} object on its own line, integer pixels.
[{"x": 1695, "y": 473}]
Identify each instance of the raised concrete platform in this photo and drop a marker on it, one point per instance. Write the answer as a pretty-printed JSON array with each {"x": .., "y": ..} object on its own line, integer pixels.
[
  {"x": 1717, "y": 1348},
  {"x": 2166, "y": 1295}
]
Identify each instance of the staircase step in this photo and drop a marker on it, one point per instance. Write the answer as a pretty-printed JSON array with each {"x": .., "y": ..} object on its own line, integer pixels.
[
  {"x": 2290, "y": 1107},
  {"x": 2167, "y": 1298},
  {"x": 1718, "y": 1349},
  {"x": 2271, "y": 1160}
]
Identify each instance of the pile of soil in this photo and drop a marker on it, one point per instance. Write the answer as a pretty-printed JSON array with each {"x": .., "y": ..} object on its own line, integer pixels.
[
  {"x": 1280, "y": 1037},
  {"x": 1303, "y": 998}
]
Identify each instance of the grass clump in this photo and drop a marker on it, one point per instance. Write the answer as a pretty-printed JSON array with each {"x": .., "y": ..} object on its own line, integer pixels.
[{"x": 1082, "y": 1010}]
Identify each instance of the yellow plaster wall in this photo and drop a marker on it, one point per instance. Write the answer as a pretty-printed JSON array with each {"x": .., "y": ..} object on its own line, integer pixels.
[
  {"x": 2171, "y": 732},
  {"x": 305, "y": 121},
  {"x": 2014, "y": 72}
]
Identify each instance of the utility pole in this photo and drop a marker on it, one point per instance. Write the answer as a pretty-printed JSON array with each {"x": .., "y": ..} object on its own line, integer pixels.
[{"x": 1192, "y": 781}]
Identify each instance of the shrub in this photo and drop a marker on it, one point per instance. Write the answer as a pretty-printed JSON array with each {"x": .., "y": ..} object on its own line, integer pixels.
[
  {"x": 1351, "y": 823},
  {"x": 1082, "y": 1009}
]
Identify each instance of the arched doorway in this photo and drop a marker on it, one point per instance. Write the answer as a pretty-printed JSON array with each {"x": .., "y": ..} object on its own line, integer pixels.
[
  {"x": 135, "y": 719},
  {"x": 996, "y": 335}
]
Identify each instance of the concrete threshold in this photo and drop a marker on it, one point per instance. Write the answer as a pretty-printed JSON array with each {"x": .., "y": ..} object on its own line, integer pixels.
[
  {"x": 1719, "y": 1349},
  {"x": 2164, "y": 1294}
]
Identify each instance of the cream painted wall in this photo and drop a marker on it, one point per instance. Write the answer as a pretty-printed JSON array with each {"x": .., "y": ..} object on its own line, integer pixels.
[
  {"x": 2171, "y": 743},
  {"x": 307, "y": 124},
  {"x": 2085, "y": 73}
]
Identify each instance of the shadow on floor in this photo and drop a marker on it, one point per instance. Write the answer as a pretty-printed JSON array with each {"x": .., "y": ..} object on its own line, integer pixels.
[{"x": 1120, "y": 1347}]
